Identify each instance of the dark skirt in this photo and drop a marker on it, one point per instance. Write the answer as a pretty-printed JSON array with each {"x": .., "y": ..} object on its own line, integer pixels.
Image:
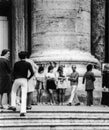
[
  {"x": 51, "y": 84},
  {"x": 5, "y": 84}
]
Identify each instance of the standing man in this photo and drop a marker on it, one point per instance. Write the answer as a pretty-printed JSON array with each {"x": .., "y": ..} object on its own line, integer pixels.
[
  {"x": 5, "y": 76},
  {"x": 20, "y": 74},
  {"x": 74, "y": 84},
  {"x": 89, "y": 84}
]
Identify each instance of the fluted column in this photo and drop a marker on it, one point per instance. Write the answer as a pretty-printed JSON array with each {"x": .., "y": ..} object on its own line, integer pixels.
[
  {"x": 18, "y": 28},
  {"x": 98, "y": 29}
]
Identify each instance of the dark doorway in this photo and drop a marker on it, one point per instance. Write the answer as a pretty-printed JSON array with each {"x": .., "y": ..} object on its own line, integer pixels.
[{"x": 5, "y": 14}]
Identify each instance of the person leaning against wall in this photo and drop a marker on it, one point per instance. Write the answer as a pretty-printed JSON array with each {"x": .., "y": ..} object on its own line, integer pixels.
[{"x": 5, "y": 76}]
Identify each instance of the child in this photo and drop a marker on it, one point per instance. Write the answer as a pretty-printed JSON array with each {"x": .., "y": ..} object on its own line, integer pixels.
[{"x": 90, "y": 78}]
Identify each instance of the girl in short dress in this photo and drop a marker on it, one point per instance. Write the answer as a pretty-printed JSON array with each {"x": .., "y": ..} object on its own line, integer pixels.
[
  {"x": 61, "y": 85},
  {"x": 51, "y": 83},
  {"x": 40, "y": 83}
]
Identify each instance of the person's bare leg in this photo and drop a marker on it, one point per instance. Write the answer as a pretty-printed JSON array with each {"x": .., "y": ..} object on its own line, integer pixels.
[
  {"x": 29, "y": 100},
  {"x": 9, "y": 98},
  {"x": 1, "y": 96}
]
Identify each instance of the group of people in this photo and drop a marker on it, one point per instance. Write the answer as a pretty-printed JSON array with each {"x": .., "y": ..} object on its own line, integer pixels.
[{"x": 26, "y": 76}]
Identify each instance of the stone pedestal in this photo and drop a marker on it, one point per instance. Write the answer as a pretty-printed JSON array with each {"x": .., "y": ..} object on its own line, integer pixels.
[{"x": 61, "y": 33}]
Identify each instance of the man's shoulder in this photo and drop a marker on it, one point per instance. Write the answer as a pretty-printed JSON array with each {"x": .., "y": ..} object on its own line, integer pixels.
[
  {"x": 77, "y": 72},
  {"x": 22, "y": 62},
  {"x": 89, "y": 73},
  {"x": 27, "y": 63},
  {"x": 74, "y": 73},
  {"x": 3, "y": 59},
  {"x": 92, "y": 73}
]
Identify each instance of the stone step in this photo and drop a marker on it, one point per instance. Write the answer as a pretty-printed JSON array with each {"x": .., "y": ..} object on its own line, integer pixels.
[
  {"x": 55, "y": 115},
  {"x": 53, "y": 119},
  {"x": 56, "y": 128},
  {"x": 44, "y": 121},
  {"x": 56, "y": 118}
]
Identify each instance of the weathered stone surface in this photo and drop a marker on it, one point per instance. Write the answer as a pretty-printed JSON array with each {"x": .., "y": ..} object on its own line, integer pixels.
[
  {"x": 61, "y": 32},
  {"x": 98, "y": 29},
  {"x": 18, "y": 28},
  {"x": 60, "y": 24}
]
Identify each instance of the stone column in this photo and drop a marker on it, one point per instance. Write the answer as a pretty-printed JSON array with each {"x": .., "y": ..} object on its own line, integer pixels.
[
  {"x": 60, "y": 27},
  {"x": 18, "y": 28},
  {"x": 98, "y": 29},
  {"x": 61, "y": 32},
  {"x": 107, "y": 32}
]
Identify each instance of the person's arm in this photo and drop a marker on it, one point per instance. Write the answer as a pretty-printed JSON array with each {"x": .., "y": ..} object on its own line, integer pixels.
[
  {"x": 35, "y": 67},
  {"x": 31, "y": 71},
  {"x": 93, "y": 77},
  {"x": 44, "y": 82},
  {"x": 76, "y": 77},
  {"x": 83, "y": 79},
  {"x": 61, "y": 78},
  {"x": 69, "y": 77},
  {"x": 8, "y": 67}
]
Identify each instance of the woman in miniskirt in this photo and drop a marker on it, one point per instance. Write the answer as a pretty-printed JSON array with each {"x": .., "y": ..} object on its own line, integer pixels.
[{"x": 51, "y": 84}]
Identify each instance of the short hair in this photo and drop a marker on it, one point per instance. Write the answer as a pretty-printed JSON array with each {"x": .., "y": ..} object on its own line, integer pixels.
[
  {"x": 41, "y": 68},
  {"x": 22, "y": 54},
  {"x": 50, "y": 68},
  {"x": 4, "y": 52},
  {"x": 27, "y": 54},
  {"x": 89, "y": 67},
  {"x": 60, "y": 69},
  {"x": 73, "y": 66}
]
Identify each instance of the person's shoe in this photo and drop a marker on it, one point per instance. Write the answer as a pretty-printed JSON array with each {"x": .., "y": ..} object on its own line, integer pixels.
[
  {"x": 28, "y": 108},
  {"x": 22, "y": 114},
  {"x": 77, "y": 104},
  {"x": 69, "y": 104},
  {"x": 12, "y": 108}
]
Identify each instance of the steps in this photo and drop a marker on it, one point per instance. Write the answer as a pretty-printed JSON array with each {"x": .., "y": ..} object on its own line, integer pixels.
[{"x": 57, "y": 118}]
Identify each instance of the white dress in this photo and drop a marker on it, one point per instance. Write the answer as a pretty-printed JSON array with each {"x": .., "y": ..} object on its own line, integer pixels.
[
  {"x": 62, "y": 83},
  {"x": 32, "y": 81},
  {"x": 41, "y": 79}
]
